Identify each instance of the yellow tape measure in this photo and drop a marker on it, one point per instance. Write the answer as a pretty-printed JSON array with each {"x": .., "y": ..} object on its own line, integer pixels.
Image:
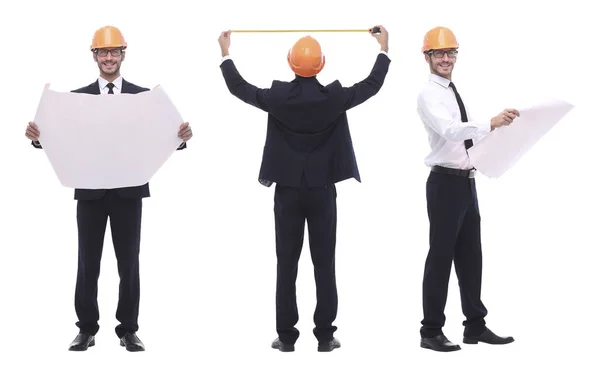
[{"x": 373, "y": 30}]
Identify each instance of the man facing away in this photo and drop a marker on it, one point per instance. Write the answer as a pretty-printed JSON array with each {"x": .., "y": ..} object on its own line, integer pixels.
[
  {"x": 308, "y": 149},
  {"x": 452, "y": 204},
  {"x": 94, "y": 207}
]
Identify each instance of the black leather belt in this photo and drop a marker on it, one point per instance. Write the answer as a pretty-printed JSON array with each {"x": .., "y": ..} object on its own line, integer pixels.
[{"x": 458, "y": 172}]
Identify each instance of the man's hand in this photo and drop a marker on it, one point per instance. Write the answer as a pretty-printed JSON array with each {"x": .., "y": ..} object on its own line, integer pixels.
[
  {"x": 382, "y": 37},
  {"x": 504, "y": 118},
  {"x": 225, "y": 42},
  {"x": 185, "y": 132},
  {"x": 32, "y": 132}
]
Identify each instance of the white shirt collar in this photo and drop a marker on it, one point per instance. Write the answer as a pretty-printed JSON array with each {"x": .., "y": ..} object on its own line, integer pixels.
[
  {"x": 118, "y": 83},
  {"x": 440, "y": 80}
]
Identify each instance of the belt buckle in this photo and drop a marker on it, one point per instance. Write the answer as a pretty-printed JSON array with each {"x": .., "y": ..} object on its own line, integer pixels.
[{"x": 472, "y": 173}]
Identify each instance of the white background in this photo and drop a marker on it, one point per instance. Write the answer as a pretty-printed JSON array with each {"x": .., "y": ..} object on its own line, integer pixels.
[{"x": 208, "y": 258}]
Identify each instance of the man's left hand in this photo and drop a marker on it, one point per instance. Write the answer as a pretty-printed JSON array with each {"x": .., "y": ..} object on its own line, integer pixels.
[{"x": 185, "y": 132}]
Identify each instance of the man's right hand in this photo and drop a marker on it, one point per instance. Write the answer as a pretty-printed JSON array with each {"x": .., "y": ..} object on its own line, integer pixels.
[
  {"x": 504, "y": 118},
  {"x": 382, "y": 37},
  {"x": 32, "y": 132},
  {"x": 225, "y": 42}
]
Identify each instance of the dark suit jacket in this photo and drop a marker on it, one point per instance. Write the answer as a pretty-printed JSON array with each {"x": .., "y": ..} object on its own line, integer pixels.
[
  {"x": 125, "y": 192},
  {"x": 307, "y": 127}
]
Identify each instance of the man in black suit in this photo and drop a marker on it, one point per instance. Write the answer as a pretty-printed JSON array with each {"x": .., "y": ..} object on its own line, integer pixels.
[
  {"x": 94, "y": 207},
  {"x": 308, "y": 149}
]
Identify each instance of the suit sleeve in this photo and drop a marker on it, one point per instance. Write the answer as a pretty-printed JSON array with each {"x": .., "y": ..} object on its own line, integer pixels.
[
  {"x": 242, "y": 89},
  {"x": 367, "y": 88}
]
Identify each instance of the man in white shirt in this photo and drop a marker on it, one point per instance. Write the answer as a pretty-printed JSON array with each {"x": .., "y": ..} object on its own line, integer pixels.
[{"x": 452, "y": 198}]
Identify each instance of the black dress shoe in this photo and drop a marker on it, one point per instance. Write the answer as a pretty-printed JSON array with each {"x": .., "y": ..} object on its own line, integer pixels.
[
  {"x": 488, "y": 337},
  {"x": 132, "y": 343},
  {"x": 82, "y": 342},
  {"x": 439, "y": 343},
  {"x": 329, "y": 346},
  {"x": 283, "y": 347}
]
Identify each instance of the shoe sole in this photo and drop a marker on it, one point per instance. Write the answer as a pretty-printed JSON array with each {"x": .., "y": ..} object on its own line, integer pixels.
[
  {"x": 326, "y": 348},
  {"x": 475, "y": 341},
  {"x": 427, "y": 346},
  {"x": 285, "y": 348}
]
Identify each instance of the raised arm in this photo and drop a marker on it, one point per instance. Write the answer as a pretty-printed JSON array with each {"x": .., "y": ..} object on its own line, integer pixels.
[
  {"x": 235, "y": 82},
  {"x": 367, "y": 88}
]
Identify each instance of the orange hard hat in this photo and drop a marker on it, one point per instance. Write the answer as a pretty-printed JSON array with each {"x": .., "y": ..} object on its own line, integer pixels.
[
  {"x": 306, "y": 58},
  {"x": 108, "y": 36},
  {"x": 439, "y": 38}
]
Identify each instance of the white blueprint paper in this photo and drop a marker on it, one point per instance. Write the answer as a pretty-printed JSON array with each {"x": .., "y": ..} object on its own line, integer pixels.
[
  {"x": 107, "y": 141},
  {"x": 501, "y": 149}
]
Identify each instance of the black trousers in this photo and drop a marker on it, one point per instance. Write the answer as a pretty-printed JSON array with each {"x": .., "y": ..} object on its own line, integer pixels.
[
  {"x": 454, "y": 235},
  {"x": 317, "y": 207},
  {"x": 125, "y": 222}
]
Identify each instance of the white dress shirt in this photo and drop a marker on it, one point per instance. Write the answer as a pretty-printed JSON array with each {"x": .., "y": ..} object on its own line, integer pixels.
[
  {"x": 438, "y": 108},
  {"x": 116, "y": 89}
]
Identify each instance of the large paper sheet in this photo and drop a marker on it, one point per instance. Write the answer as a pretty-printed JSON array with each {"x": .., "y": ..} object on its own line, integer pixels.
[
  {"x": 504, "y": 147},
  {"x": 107, "y": 141}
]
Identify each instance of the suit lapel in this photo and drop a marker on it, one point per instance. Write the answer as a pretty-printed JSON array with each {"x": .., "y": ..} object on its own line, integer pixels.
[
  {"x": 126, "y": 87},
  {"x": 94, "y": 88}
]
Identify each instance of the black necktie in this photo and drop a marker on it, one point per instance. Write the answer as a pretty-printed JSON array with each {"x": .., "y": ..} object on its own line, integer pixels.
[
  {"x": 110, "y": 86},
  {"x": 463, "y": 113}
]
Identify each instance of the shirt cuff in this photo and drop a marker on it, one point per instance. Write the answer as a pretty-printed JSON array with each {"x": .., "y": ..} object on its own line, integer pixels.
[
  {"x": 483, "y": 127},
  {"x": 384, "y": 53}
]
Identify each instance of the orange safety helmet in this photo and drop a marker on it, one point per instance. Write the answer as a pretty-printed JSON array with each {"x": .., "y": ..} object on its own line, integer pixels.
[
  {"x": 306, "y": 58},
  {"x": 439, "y": 38},
  {"x": 108, "y": 36}
]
